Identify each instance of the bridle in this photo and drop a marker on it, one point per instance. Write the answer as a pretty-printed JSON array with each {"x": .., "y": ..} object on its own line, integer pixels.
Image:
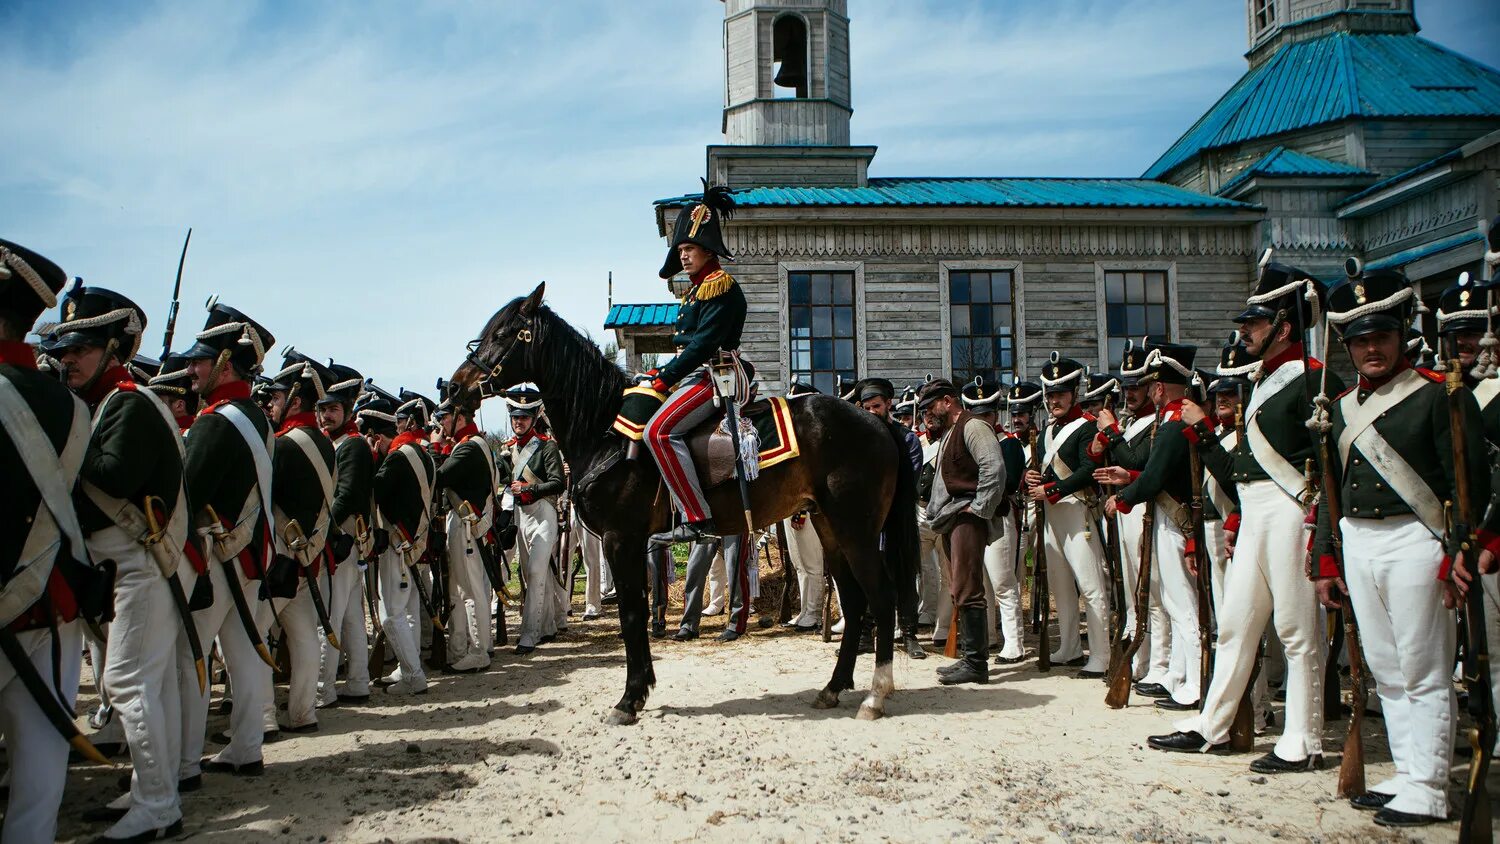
[{"x": 486, "y": 382}]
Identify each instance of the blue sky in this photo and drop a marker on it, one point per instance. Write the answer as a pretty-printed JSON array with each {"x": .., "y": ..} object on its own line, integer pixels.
[{"x": 372, "y": 179}]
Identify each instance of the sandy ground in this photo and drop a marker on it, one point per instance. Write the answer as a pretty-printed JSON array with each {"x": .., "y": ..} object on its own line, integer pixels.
[{"x": 729, "y": 749}]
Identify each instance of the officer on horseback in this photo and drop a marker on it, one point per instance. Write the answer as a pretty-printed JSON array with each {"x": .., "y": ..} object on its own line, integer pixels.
[{"x": 709, "y": 323}]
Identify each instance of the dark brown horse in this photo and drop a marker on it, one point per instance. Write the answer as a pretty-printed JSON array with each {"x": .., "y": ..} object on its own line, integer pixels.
[{"x": 851, "y": 473}]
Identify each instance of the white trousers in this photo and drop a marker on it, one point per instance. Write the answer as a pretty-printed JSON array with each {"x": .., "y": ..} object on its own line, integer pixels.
[
  {"x": 141, "y": 673},
  {"x": 249, "y": 676},
  {"x": 1408, "y": 638},
  {"x": 537, "y": 523},
  {"x": 471, "y": 627},
  {"x": 1491, "y": 584},
  {"x": 300, "y": 626},
  {"x": 806, "y": 551},
  {"x": 1003, "y": 588},
  {"x": 1075, "y": 555},
  {"x": 1153, "y": 658},
  {"x": 1266, "y": 582},
  {"x": 346, "y": 612},
  {"x": 400, "y": 612},
  {"x": 37, "y": 754},
  {"x": 595, "y": 569},
  {"x": 1179, "y": 597}
]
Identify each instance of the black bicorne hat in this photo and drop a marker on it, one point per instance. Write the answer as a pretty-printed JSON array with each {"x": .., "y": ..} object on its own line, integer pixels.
[
  {"x": 702, "y": 223},
  {"x": 1235, "y": 359},
  {"x": 1098, "y": 386},
  {"x": 798, "y": 388},
  {"x": 142, "y": 369},
  {"x": 346, "y": 385},
  {"x": 93, "y": 316},
  {"x": 174, "y": 380},
  {"x": 874, "y": 388},
  {"x": 1278, "y": 288},
  {"x": 29, "y": 283},
  {"x": 375, "y": 411},
  {"x": 1023, "y": 395},
  {"x": 415, "y": 406},
  {"x": 1133, "y": 362},
  {"x": 980, "y": 397},
  {"x": 227, "y": 329},
  {"x": 303, "y": 376},
  {"x": 1170, "y": 363},
  {"x": 1061, "y": 375},
  {"x": 1466, "y": 307},
  {"x": 1371, "y": 300}
]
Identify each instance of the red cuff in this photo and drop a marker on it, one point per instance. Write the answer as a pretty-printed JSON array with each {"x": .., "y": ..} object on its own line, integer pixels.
[
  {"x": 1053, "y": 496},
  {"x": 1121, "y": 506},
  {"x": 1488, "y": 541},
  {"x": 526, "y": 497},
  {"x": 1134, "y": 473},
  {"x": 658, "y": 385},
  {"x": 1446, "y": 569},
  {"x": 1098, "y": 446},
  {"x": 1190, "y": 433},
  {"x": 1232, "y": 523},
  {"x": 1189, "y": 547},
  {"x": 1327, "y": 566}
]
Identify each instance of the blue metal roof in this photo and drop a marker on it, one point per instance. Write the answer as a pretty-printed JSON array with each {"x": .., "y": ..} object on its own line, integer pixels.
[
  {"x": 1416, "y": 253},
  {"x": 1450, "y": 155},
  {"x": 653, "y": 315},
  {"x": 987, "y": 192},
  {"x": 1287, "y": 162},
  {"x": 1338, "y": 76}
]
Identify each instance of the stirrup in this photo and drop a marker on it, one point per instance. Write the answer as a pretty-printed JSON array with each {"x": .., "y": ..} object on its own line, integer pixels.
[{"x": 685, "y": 532}]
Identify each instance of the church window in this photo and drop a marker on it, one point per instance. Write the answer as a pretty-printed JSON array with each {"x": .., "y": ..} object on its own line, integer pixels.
[
  {"x": 789, "y": 57},
  {"x": 981, "y": 323},
  {"x": 1135, "y": 306},
  {"x": 821, "y": 326},
  {"x": 1265, "y": 14}
]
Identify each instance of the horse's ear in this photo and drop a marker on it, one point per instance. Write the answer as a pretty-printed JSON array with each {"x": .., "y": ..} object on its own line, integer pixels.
[{"x": 533, "y": 302}]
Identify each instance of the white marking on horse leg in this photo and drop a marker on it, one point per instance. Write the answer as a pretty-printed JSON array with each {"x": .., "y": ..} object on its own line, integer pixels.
[{"x": 881, "y": 687}]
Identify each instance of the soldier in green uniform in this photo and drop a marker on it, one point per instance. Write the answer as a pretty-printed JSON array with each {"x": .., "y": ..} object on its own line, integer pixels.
[
  {"x": 1267, "y": 581},
  {"x": 1126, "y": 442},
  {"x": 1065, "y": 487},
  {"x": 533, "y": 477},
  {"x": 132, "y": 510},
  {"x": 173, "y": 384},
  {"x": 44, "y": 569},
  {"x": 1394, "y": 468},
  {"x": 404, "y": 476},
  {"x": 1163, "y": 484},
  {"x": 468, "y": 480},
  {"x": 1098, "y": 392},
  {"x": 352, "y": 537},
  {"x": 228, "y": 470},
  {"x": 301, "y": 496}
]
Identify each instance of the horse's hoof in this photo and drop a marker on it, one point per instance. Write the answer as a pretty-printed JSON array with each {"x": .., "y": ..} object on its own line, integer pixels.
[
  {"x": 826, "y": 700},
  {"x": 619, "y": 718},
  {"x": 869, "y": 713}
]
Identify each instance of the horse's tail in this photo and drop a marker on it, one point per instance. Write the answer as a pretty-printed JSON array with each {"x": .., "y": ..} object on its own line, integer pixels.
[{"x": 902, "y": 541}]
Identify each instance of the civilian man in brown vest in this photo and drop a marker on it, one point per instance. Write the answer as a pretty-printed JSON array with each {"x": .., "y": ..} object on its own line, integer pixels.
[{"x": 967, "y": 490}]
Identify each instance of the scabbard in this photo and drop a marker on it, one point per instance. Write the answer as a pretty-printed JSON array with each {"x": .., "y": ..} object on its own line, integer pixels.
[
  {"x": 316, "y": 593},
  {"x": 432, "y": 611},
  {"x": 179, "y": 599},
  {"x": 57, "y": 715},
  {"x": 242, "y": 609}
]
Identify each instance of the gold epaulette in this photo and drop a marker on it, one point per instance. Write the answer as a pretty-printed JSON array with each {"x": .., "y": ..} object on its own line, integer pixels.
[{"x": 715, "y": 285}]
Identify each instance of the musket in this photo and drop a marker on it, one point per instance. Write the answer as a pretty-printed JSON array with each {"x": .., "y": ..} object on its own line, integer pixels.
[
  {"x": 1242, "y": 728},
  {"x": 237, "y": 596},
  {"x": 57, "y": 715},
  {"x": 166, "y": 343},
  {"x": 1119, "y": 682},
  {"x": 1117, "y": 590},
  {"x": 1039, "y": 597},
  {"x": 1352, "y": 766},
  {"x": 437, "y": 605},
  {"x": 1204, "y": 576},
  {"x": 297, "y": 542},
  {"x": 375, "y": 663},
  {"x": 1474, "y": 822}
]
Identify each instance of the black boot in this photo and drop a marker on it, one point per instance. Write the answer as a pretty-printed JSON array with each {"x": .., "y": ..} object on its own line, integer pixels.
[
  {"x": 909, "y": 639},
  {"x": 685, "y": 532},
  {"x": 867, "y": 634},
  {"x": 975, "y": 641}
]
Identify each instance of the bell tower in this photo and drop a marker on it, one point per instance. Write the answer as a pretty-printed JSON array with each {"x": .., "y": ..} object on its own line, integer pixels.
[
  {"x": 1273, "y": 23},
  {"x": 787, "y": 96}
]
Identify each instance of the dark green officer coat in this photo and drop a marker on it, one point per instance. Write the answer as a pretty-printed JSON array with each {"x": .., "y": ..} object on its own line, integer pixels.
[
  {"x": 132, "y": 452},
  {"x": 711, "y": 317},
  {"x": 219, "y": 469},
  {"x": 1074, "y": 453},
  {"x": 467, "y": 473},
  {"x": 53, "y": 406},
  {"x": 398, "y": 494},
  {"x": 353, "y": 490}
]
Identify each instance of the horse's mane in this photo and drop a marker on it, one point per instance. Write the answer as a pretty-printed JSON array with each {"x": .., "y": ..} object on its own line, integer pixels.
[{"x": 582, "y": 380}]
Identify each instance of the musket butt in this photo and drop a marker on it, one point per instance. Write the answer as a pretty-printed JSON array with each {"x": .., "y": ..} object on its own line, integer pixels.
[
  {"x": 265, "y": 654},
  {"x": 334, "y": 640},
  {"x": 202, "y": 675},
  {"x": 87, "y": 749},
  {"x": 749, "y": 522}
]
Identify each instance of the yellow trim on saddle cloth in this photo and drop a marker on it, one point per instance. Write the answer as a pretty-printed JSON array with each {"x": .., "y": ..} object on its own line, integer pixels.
[
  {"x": 628, "y": 429},
  {"x": 782, "y": 414},
  {"x": 717, "y": 284}
]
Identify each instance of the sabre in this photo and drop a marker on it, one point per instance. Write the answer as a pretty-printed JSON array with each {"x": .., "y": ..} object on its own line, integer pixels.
[
  {"x": 57, "y": 715},
  {"x": 237, "y": 595},
  {"x": 297, "y": 541},
  {"x": 166, "y": 343},
  {"x": 731, "y": 416}
]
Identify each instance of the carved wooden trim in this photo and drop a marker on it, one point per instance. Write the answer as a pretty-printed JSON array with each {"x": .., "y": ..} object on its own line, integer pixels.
[{"x": 833, "y": 241}]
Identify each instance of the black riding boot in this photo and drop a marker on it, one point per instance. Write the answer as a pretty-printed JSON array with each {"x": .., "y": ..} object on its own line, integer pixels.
[
  {"x": 909, "y": 638},
  {"x": 975, "y": 642},
  {"x": 867, "y": 634}
]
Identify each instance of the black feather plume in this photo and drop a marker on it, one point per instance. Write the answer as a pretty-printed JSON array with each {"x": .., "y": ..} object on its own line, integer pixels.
[{"x": 719, "y": 198}]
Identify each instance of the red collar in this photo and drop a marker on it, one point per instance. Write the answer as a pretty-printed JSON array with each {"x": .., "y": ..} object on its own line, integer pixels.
[
  {"x": 1073, "y": 413},
  {"x": 521, "y": 441},
  {"x": 416, "y": 438},
  {"x": 299, "y": 420},
  {"x": 349, "y": 429},
  {"x": 18, "y": 354},
  {"x": 1371, "y": 386},
  {"x": 1292, "y": 352},
  {"x": 185, "y": 422},
  {"x": 110, "y": 379},
  {"x": 229, "y": 391},
  {"x": 1172, "y": 410},
  {"x": 469, "y": 430},
  {"x": 708, "y": 269}
]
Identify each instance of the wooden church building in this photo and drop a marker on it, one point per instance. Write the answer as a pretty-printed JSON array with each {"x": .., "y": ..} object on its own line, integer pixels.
[{"x": 1349, "y": 134}]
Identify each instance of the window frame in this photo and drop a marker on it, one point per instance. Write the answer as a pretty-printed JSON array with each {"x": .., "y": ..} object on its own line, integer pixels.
[
  {"x": 784, "y": 270},
  {"x": 1018, "y": 307},
  {"x": 1101, "y": 299}
]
